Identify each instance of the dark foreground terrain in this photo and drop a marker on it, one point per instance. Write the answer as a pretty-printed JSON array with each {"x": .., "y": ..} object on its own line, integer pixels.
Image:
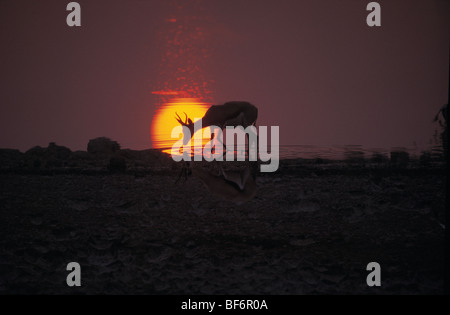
[{"x": 311, "y": 229}]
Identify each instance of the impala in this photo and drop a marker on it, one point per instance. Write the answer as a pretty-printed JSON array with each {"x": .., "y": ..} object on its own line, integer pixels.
[{"x": 230, "y": 114}]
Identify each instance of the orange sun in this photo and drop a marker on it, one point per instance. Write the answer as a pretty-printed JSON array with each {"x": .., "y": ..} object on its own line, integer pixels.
[{"x": 164, "y": 120}]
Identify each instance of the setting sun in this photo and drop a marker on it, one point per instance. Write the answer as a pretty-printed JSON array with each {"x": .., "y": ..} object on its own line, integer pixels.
[{"x": 164, "y": 120}]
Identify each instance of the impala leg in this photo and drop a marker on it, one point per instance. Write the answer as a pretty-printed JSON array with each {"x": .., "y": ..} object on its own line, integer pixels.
[
  {"x": 180, "y": 175},
  {"x": 183, "y": 173}
]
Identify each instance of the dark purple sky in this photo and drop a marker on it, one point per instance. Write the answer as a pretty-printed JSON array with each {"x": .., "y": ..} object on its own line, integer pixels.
[{"x": 312, "y": 67}]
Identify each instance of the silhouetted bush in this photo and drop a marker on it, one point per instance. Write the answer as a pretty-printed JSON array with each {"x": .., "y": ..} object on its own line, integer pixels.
[
  {"x": 117, "y": 164},
  {"x": 37, "y": 163},
  {"x": 102, "y": 146},
  {"x": 379, "y": 158},
  {"x": 58, "y": 152},
  {"x": 10, "y": 158},
  {"x": 36, "y": 151},
  {"x": 318, "y": 161},
  {"x": 399, "y": 158},
  {"x": 50, "y": 157},
  {"x": 354, "y": 157},
  {"x": 425, "y": 158}
]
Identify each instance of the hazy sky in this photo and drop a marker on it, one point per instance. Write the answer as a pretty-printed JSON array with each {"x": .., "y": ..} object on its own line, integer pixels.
[{"x": 312, "y": 67}]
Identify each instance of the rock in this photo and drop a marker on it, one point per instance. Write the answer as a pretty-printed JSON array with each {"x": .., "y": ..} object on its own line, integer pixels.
[
  {"x": 52, "y": 156},
  {"x": 10, "y": 158},
  {"x": 117, "y": 164},
  {"x": 58, "y": 152},
  {"x": 53, "y": 150},
  {"x": 145, "y": 158},
  {"x": 36, "y": 151},
  {"x": 56, "y": 155},
  {"x": 37, "y": 163},
  {"x": 80, "y": 159},
  {"x": 102, "y": 146},
  {"x": 80, "y": 155}
]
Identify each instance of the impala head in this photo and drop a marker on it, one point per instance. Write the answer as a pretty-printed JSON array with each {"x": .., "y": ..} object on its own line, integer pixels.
[{"x": 187, "y": 123}]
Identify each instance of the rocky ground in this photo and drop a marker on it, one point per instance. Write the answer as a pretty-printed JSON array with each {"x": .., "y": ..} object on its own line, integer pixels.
[{"x": 312, "y": 229}]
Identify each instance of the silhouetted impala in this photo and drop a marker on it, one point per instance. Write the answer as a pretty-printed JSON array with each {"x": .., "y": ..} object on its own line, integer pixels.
[{"x": 229, "y": 114}]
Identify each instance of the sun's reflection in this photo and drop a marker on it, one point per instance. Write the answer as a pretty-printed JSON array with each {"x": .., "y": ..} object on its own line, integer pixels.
[{"x": 183, "y": 85}]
